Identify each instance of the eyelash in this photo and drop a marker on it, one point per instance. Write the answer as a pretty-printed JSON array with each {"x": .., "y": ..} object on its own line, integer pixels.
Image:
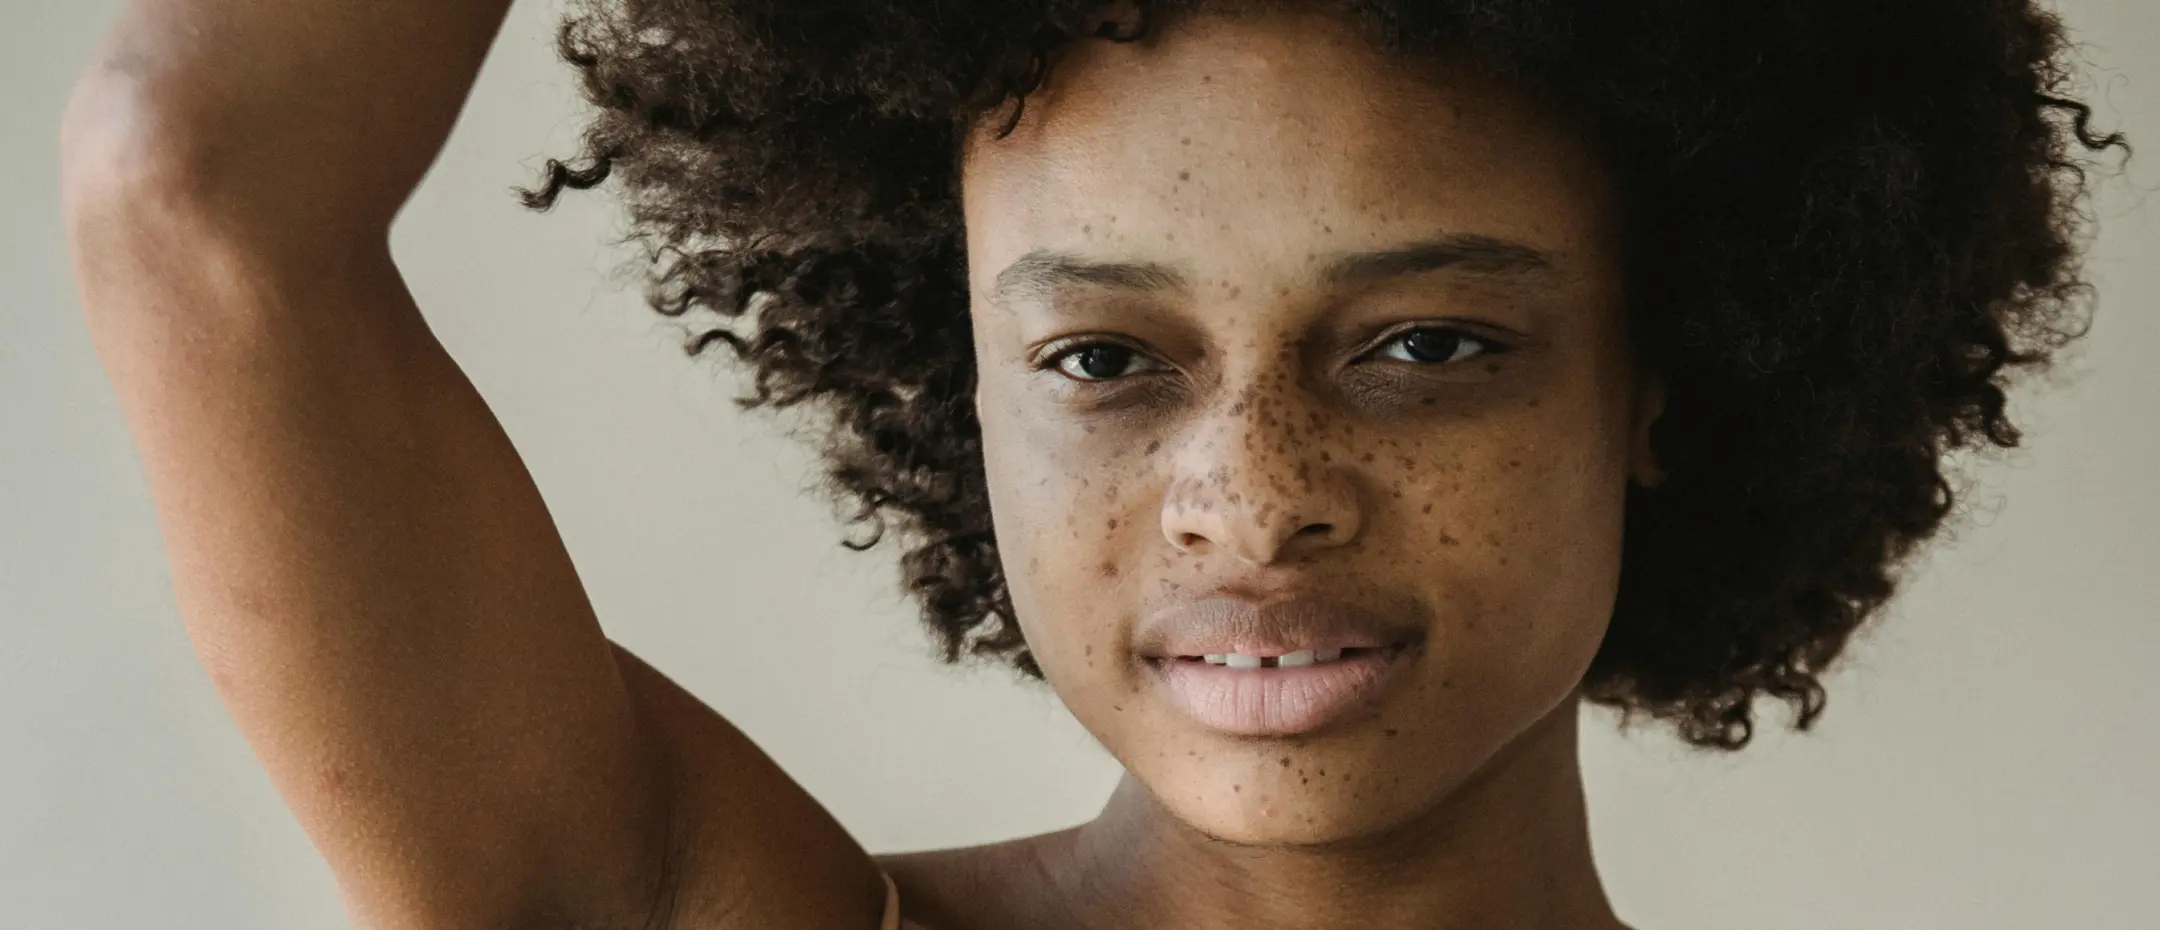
[
  {"x": 1055, "y": 360},
  {"x": 1485, "y": 345}
]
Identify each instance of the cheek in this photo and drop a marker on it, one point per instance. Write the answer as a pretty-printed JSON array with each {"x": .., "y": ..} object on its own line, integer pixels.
[
  {"x": 1515, "y": 523},
  {"x": 1070, "y": 507},
  {"x": 1526, "y": 496}
]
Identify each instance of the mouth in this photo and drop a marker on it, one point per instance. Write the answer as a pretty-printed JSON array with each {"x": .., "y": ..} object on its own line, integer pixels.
[{"x": 1286, "y": 694}]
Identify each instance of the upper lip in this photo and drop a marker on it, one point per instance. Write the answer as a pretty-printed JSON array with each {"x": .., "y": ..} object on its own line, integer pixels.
[{"x": 1272, "y": 627}]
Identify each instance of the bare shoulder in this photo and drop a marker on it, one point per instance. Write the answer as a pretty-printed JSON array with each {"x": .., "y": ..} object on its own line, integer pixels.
[
  {"x": 748, "y": 845},
  {"x": 990, "y": 885}
]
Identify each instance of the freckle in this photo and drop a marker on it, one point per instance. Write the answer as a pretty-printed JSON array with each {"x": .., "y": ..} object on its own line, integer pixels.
[
  {"x": 1447, "y": 540},
  {"x": 1427, "y": 400},
  {"x": 1109, "y": 569},
  {"x": 1533, "y": 402},
  {"x": 1184, "y": 175},
  {"x": 1090, "y": 650},
  {"x": 1367, "y": 457},
  {"x": 1086, "y": 228},
  {"x": 1286, "y": 762},
  {"x": 1236, "y": 788},
  {"x": 1389, "y": 732},
  {"x": 1447, "y": 682},
  {"x": 1514, "y": 463},
  {"x": 1185, "y": 141},
  {"x": 1113, "y": 523},
  {"x": 1428, "y": 509},
  {"x": 1117, "y": 707},
  {"x": 1322, "y": 773},
  {"x": 1153, "y": 445},
  {"x": 1326, "y": 228}
]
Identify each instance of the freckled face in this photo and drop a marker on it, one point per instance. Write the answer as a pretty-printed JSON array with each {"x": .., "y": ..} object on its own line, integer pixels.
[{"x": 1257, "y": 311}]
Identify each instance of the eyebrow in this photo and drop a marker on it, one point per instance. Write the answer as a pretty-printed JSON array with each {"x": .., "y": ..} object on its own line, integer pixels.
[{"x": 1044, "y": 271}]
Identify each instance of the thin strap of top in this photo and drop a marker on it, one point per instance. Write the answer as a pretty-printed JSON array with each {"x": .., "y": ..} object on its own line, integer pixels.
[{"x": 892, "y": 903}]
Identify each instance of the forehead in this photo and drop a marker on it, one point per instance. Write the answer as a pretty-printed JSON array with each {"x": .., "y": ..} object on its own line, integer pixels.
[{"x": 1257, "y": 148}]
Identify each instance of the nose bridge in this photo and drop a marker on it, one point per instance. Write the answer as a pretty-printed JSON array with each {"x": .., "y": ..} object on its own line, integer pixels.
[{"x": 1258, "y": 479}]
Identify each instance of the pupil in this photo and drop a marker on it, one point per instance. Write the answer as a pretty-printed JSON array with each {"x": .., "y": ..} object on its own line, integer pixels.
[
  {"x": 1104, "y": 361},
  {"x": 1431, "y": 345}
]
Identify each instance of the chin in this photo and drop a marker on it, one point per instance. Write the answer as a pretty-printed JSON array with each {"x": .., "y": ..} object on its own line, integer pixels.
[{"x": 1284, "y": 811}]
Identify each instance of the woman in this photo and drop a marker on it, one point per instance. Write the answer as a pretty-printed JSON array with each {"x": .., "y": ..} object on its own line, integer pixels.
[{"x": 1325, "y": 399}]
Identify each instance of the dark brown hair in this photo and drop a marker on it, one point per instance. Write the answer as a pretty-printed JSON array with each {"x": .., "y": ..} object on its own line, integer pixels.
[{"x": 1850, "y": 222}]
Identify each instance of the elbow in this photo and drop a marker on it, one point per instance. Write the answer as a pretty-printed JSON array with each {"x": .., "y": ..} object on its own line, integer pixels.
[
  {"x": 121, "y": 154},
  {"x": 134, "y": 200},
  {"x": 139, "y": 164}
]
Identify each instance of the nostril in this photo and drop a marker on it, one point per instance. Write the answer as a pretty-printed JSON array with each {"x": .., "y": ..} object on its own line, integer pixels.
[{"x": 1317, "y": 529}]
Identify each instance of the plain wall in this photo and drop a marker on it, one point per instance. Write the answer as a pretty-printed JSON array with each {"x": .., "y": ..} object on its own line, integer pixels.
[{"x": 1988, "y": 760}]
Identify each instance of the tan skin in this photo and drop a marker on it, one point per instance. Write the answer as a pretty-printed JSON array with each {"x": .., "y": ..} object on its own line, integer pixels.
[{"x": 378, "y": 593}]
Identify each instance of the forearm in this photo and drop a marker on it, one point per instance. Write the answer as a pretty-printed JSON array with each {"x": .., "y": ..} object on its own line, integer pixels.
[{"x": 294, "y": 115}]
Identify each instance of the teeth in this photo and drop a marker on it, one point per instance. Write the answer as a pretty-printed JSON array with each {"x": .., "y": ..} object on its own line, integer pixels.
[{"x": 1302, "y": 657}]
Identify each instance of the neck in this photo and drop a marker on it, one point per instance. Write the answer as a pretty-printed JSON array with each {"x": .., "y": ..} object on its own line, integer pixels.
[{"x": 1509, "y": 849}]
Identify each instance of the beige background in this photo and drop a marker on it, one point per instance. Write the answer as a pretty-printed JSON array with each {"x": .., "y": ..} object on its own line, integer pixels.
[{"x": 1988, "y": 759}]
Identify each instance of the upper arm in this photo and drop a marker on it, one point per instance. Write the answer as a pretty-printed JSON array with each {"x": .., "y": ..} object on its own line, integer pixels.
[
  {"x": 380, "y": 596},
  {"x": 371, "y": 580}
]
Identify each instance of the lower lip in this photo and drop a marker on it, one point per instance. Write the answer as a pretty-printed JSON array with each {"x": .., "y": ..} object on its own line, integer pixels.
[{"x": 1276, "y": 701}]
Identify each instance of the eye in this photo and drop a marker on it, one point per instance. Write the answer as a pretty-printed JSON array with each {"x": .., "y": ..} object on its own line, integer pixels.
[
  {"x": 1099, "y": 361},
  {"x": 1435, "y": 346}
]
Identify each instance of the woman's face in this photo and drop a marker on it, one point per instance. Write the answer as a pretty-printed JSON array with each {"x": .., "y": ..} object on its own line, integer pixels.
[{"x": 1285, "y": 350}]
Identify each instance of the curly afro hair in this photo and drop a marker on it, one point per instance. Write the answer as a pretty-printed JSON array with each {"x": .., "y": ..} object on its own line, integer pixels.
[{"x": 1849, "y": 224}]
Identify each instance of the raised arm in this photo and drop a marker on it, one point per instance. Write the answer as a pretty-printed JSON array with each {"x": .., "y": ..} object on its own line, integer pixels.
[{"x": 362, "y": 561}]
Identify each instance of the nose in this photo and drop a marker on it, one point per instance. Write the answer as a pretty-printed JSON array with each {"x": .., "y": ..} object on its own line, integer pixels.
[{"x": 1259, "y": 488}]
